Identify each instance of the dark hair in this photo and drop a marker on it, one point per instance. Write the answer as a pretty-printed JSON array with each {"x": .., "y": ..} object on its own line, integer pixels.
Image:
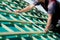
[{"x": 46, "y": 4}]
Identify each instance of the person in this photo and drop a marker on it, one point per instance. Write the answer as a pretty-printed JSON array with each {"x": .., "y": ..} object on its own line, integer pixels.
[
  {"x": 53, "y": 15},
  {"x": 51, "y": 7}
]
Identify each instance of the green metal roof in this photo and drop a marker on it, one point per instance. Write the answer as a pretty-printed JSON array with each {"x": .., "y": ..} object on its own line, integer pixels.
[{"x": 26, "y": 26}]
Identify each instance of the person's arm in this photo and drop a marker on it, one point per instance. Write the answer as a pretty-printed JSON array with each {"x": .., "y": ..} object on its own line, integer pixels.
[
  {"x": 25, "y": 9},
  {"x": 51, "y": 11},
  {"x": 48, "y": 22}
]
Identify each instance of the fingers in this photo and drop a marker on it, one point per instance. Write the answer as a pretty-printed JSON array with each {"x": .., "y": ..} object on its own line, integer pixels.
[
  {"x": 17, "y": 11},
  {"x": 46, "y": 30}
]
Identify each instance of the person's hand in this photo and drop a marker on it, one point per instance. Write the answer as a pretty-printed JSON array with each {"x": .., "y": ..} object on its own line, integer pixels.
[
  {"x": 17, "y": 11},
  {"x": 46, "y": 29}
]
